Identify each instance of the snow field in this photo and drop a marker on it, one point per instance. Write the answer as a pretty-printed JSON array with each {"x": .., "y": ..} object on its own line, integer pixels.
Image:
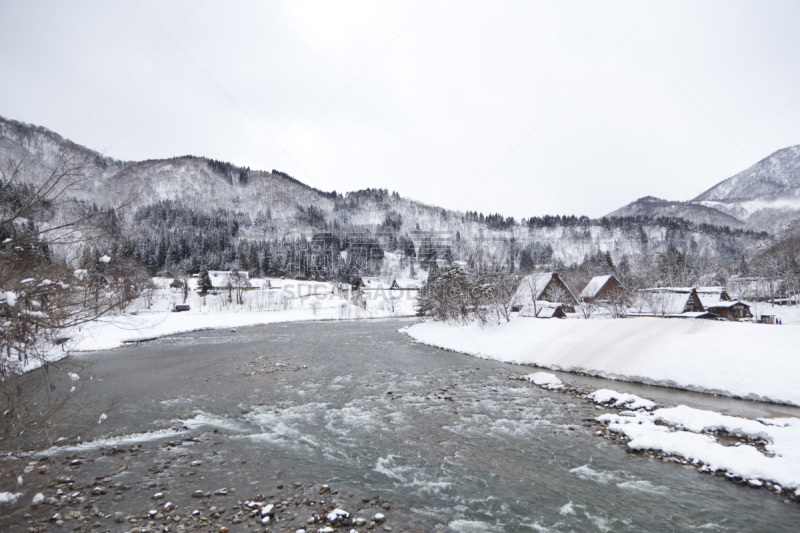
[
  {"x": 752, "y": 361},
  {"x": 150, "y": 315}
]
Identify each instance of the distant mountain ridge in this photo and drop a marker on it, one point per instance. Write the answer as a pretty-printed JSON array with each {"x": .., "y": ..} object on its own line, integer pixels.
[
  {"x": 775, "y": 174},
  {"x": 188, "y": 210},
  {"x": 764, "y": 197}
]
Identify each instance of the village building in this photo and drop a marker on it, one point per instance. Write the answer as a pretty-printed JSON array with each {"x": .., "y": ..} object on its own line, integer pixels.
[
  {"x": 671, "y": 302},
  {"x": 731, "y": 310},
  {"x": 547, "y": 287},
  {"x": 767, "y": 319},
  {"x": 406, "y": 285},
  {"x": 716, "y": 300},
  {"x": 601, "y": 289}
]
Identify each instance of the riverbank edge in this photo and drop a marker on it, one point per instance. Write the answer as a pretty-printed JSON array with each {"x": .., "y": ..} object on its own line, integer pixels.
[
  {"x": 581, "y": 393},
  {"x": 133, "y": 342}
]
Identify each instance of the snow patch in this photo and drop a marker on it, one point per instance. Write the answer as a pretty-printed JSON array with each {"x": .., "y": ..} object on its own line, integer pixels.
[
  {"x": 545, "y": 379},
  {"x": 606, "y": 396},
  {"x": 9, "y": 497}
]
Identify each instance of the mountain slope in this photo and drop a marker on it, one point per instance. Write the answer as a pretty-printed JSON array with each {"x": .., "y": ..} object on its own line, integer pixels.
[
  {"x": 776, "y": 174},
  {"x": 764, "y": 197},
  {"x": 188, "y": 211},
  {"x": 650, "y": 206}
]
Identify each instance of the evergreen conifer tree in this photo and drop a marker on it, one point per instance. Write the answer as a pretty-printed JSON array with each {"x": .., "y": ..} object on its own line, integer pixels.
[{"x": 205, "y": 281}]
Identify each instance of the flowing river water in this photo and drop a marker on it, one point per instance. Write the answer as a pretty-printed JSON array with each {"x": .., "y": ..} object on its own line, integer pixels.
[{"x": 450, "y": 440}]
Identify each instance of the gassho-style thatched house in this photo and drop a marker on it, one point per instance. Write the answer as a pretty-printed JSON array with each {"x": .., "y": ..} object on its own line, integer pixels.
[
  {"x": 716, "y": 300},
  {"x": 406, "y": 285},
  {"x": 601, "y": 289},
  {"x": 670, "y": 302},
  {"x": 536, "y": 290}
]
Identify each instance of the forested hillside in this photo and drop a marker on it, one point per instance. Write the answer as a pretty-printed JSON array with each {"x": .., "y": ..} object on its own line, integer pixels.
[{"x": 178, "y": 215}]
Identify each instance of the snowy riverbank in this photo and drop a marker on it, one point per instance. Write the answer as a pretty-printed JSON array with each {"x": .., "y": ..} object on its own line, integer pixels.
[
  {"x": 151, "y": 316},
  {"x": 762, "y": 453},
  {"x": 753, "y": 361},
  {"x": 113, "y": 332}
]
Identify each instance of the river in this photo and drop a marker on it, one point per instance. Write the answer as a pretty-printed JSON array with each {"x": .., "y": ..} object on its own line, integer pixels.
[{"x": 449, "y": 439}]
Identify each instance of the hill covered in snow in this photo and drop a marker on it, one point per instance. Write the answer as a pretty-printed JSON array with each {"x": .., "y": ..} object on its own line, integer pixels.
[
  {"x": 764, "y": 197},
  {"x": 188, "y": 211}
]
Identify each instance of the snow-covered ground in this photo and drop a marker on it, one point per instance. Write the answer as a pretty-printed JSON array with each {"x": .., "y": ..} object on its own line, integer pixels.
[
  {"x": 288, "y": 301},
  {"x": 754, "y": 361}
]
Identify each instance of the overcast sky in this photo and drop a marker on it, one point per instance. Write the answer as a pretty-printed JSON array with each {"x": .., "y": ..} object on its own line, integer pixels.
[{"x": 523, "y": 108}]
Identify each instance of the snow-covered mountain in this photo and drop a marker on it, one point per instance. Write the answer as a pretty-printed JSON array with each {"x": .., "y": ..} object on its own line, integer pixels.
[
  {"x": 765, "y": 197},
  {"x": 774, "y": 175},
  {"x": 172, "y": 206},
  {"x": 650, "y": 206}
]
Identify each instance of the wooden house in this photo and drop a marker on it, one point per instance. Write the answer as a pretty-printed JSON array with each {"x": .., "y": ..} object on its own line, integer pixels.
[
  {"x": 732, "y": 310},
  {"x": 716, "y": 300},
  {"x": 601, "y": 289}
]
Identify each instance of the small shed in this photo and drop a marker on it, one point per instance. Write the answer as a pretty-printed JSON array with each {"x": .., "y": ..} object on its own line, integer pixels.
[{"x": 767, "y": 319}]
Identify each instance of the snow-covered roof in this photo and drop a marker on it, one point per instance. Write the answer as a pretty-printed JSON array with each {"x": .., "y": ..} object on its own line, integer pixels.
[
  {"x": 693, "y": 314},
  {"x": 669, "y": 289},
  {"x": 406, "y": 284},
  {"x": 370, "y": 283},
  {"x": 712, "y": 296},
  {"x": 704, "y": 290},
  {"x": 594, "y": 286},
  {"x": 664, "y": 301},
  {"x": 724, "y": 303},
  {"x": 548, "y": 311}
]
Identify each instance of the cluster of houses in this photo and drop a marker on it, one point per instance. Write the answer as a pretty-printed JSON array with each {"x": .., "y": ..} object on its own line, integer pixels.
[
  {"x": 547, "y": 295},
  {"x": 231, "y": 279}
]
